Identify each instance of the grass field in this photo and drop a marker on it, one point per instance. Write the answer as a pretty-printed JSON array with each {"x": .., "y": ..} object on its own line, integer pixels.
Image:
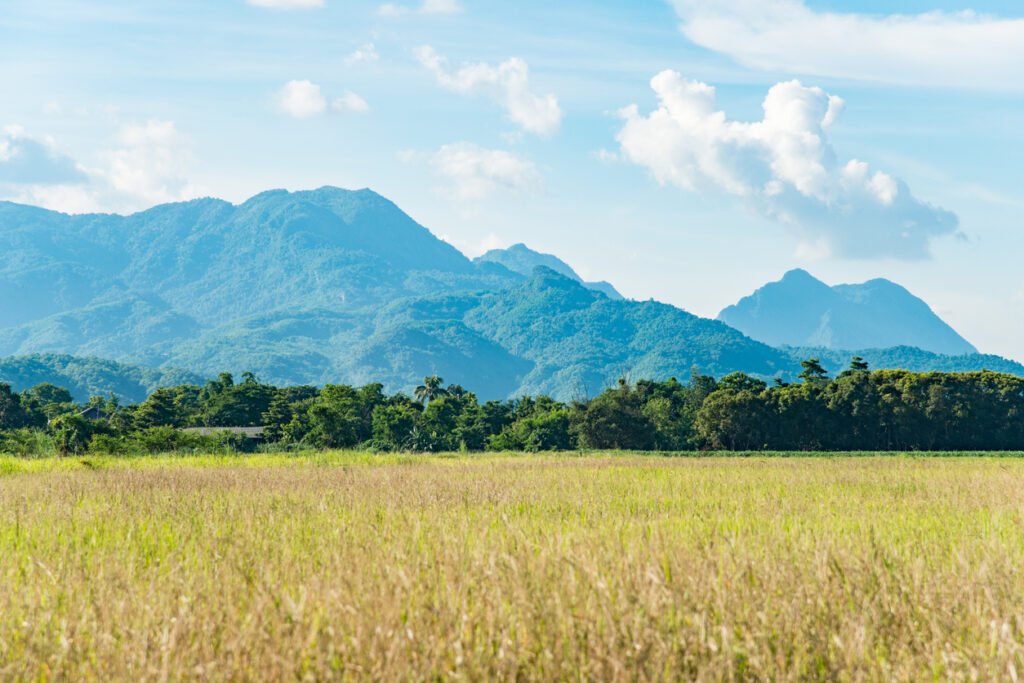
[{"x": 530, "y": 567}]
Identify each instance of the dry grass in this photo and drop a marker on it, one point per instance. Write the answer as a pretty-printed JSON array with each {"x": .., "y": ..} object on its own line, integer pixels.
[{"x": 560, "y": 568}]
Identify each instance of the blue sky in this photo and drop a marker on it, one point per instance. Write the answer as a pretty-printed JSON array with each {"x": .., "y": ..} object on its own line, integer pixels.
[{"x": 495, "y": 123}]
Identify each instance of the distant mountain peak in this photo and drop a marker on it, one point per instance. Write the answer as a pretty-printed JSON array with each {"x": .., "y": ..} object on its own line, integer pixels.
[
  {"x": 800, "y": 310},
  {"x": 519, "y": 258},
  {"x": 799, "y": 275}
]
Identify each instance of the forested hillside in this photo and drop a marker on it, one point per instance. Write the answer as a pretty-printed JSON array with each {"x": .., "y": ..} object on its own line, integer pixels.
[{"x": 331, "y": 286}]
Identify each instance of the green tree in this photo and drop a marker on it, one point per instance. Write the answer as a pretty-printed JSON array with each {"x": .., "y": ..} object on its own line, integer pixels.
[
  {"x": 398, "y": 426},
  {"x": 858, "y": 364},
  {"x": 813, "y": 371},
  {"x": 614, "y": 419},
  {"x": 432, "y": 388},
  {"x": 12, "y": 415},
  {"x": 159, "y": 410},
  {"x": 71, "y": 433}
]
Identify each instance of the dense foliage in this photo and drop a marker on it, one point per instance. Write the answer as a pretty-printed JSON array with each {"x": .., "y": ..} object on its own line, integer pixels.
[{"x": 857, "y": 410}]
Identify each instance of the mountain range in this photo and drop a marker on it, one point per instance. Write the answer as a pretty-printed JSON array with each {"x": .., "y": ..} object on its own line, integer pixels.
[{"x": 332, "y": 285}]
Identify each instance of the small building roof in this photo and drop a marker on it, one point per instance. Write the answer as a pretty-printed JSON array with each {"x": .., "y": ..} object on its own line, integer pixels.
[{"x": 248, "y": 432}]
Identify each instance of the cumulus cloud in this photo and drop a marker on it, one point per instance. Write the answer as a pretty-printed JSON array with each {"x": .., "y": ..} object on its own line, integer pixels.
[
  {"x": 28, "y": 161},
  {"x": 962, "y": 49},
  {"x": 301, "y": 99},
  {"x": 784, "y": 166},
  {"x": 476, "y": 173},
  {"x": 426, "y": 7},
  {"x": 147, "y": 165},
  {"x": 508, "y": 83},
  {"x": 287, "y": 4},
  {"x": 366, "y": 53}
]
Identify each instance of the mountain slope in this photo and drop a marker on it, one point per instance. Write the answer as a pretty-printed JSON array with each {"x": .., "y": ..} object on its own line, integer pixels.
[
  {"x": 548, "y": 334},
  {"x": 521, "y": 259},
  {"x": 578, "y": 341},
  {"x": 800, "y": 310}
]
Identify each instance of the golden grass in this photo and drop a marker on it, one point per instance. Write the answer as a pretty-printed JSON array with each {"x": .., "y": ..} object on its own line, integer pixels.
[{"x": 360, "y": 567}]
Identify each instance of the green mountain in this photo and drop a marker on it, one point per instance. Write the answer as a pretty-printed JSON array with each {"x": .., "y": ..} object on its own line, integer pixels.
[
  {"x": 521, "y": 259},
  {"x": 800, "y": 310},
  {"x": 333, "y": 285}
]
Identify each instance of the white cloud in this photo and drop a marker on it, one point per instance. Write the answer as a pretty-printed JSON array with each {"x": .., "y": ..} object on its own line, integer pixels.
[
  {"x": 476, "y": 173},
  {"x": 147, "y": 166},
  {"x": 784, "y": 166},
  {"x": 425, "y": 7},
  {"x": 304, "y": 99},
  {"x": 367, "y": 53},
  {"x": 301, "y": 99},
  {"x": 508, "y": 83},
  {"x": 25, "y": 160},
  {"x": 961, "y": 49},
  {"x": 150, "y": 164},
  {"x": 287, "y": 4},
  {"x": 350, "y": 102}
]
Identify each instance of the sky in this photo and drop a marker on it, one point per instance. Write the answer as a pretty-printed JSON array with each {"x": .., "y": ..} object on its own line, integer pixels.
[{"x": 687, "y": 151}]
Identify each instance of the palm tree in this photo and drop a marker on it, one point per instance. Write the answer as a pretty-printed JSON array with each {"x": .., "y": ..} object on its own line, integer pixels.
[
  {"x": 456, "y": 391},
  {"x": 430, "y": 389}
]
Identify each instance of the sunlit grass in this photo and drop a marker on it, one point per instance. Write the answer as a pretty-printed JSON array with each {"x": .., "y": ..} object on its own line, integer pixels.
[{"x": 509, "y": 566}]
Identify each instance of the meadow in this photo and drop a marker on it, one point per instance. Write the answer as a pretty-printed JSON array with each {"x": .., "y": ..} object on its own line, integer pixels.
[{"x": 554, "y": 567}]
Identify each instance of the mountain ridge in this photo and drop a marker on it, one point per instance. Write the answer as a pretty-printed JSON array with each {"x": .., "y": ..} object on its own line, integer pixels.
[{"x": 333, "y": 285}]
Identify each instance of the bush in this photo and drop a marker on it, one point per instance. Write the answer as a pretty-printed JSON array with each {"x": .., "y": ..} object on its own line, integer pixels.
[{"x": 27, "y": 443}]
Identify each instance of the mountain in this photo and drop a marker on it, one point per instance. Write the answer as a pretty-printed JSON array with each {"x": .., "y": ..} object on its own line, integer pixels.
[
  {"x": 332, "y": 285},
  {"x": 521, "y": 259},
  {"x": 86, "y": 377},
  {"x": 800, "y": 310},
  {"x": 209, "y": 260}
]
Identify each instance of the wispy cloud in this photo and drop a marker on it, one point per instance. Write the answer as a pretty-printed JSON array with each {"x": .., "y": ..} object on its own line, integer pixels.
[
  {"x": 287, "y": 4},
  {"x": 365, "y": 54},
  {"x": 508, "y": 83},
  {"x": 350, "y": 102},
  {"x": 476, "y": 173},
  {"x": 425, "y": 7},
  {"x": 962, "y": 49},
  {"x": 784, "y": 166}
]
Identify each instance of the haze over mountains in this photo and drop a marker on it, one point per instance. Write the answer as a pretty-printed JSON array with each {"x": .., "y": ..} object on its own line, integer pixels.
[{"x": 333, "y": 285}]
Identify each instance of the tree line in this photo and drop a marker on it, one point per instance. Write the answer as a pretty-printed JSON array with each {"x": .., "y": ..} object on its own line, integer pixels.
[{"x": 859, "y": 409}]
